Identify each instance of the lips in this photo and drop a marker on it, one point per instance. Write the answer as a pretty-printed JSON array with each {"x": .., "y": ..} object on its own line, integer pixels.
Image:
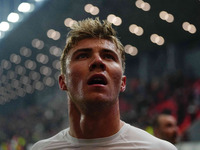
[{"x": 97, "y": 79}]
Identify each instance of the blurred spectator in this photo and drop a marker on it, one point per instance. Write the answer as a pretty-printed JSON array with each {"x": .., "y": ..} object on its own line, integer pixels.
[{"x": 165, "y": 127}]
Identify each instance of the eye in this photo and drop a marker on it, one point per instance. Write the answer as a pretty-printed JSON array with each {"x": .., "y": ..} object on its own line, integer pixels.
[
  {"x": 82, "y": 56},
  {"x": 109, "y": 56}
]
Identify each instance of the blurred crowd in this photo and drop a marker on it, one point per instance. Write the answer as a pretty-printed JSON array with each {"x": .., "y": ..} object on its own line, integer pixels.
[
  {"x": 27, "y": 125},
  {"x": 174, "y": 94}
]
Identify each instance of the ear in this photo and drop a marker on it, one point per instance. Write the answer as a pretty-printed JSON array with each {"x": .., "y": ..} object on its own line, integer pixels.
[
  {"x": 62, "y": 83},
  {"x": 123, "y": 84}
]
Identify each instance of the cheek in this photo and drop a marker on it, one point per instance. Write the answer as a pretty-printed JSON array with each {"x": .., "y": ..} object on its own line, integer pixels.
[
  {"x": 74, "y": 77},
  {"x": 116, "y": 74}
]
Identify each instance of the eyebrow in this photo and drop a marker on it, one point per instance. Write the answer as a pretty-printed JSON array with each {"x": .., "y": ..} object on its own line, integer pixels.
[
  {"x": 90, "y": 49},
  {"x": 81, "y": 50}
]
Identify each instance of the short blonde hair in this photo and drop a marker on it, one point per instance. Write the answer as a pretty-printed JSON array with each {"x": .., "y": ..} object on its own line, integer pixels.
[{"x": 91, "y": 28}]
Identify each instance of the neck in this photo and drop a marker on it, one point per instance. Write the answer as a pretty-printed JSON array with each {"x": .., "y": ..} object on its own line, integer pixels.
[{"x": 95, "y": 124}]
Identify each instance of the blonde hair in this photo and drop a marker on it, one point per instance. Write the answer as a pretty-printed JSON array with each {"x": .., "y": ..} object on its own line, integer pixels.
[{"x": 91, "y": 28}]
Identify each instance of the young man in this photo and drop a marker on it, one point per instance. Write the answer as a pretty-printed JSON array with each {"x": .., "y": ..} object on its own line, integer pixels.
[
  {"x": 92, "y": 74},
  {"x": 165, "y": 127}
]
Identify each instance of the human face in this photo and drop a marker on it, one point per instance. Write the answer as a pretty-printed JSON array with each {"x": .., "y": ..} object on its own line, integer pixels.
[
  {"x": 94, "y": 72},
  {"x": 168, "y": 128}
]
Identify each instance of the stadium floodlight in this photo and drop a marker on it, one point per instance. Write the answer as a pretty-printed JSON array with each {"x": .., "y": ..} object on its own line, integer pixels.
[
  {"x": 13, "y": 17},
  {"x": 4, "y": 26},
  {"x": 25, "y": 7}
]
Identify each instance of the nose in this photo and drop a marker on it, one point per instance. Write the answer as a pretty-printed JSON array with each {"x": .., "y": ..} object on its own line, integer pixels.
[{"x": 97, "y": 63}]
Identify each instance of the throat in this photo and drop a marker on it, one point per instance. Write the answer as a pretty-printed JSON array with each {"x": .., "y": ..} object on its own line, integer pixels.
[
  {"x": 94, "y": 123},
  {"x": 98, "y": 128}
]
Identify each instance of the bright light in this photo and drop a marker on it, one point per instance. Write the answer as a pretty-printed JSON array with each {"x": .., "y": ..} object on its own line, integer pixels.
[
  {"x": 45, "y": 70},
  {"x": 13, "y": 17},
  {"x": 132, "y": 50},
  {"x": 24, "y": 51},
  {"x": 56, "y": 64},
  {"x": 69, "y": 22},
  {"x": 111, "y": 17},
  {"x": 42, "y": 58},
  {"x": 39, "y": 44},
  {"x": 30, "y": 64},
  {"x": 117, "y": 21},
  {"x": 159, "y": 40},
  {"x": 136, "y": 29},
  {"x": 48, "y": 81},
  {"x": 94, "y": 10},
  {"x": 189, "y": 27},
  {"x": 15, "y": 58},
  {"x": 39, "y": 0},
  {"x": 166, "y": 16},
  {"x": 114, "y": 19},
  {"x": 143, "y": 5},
  {"x": 89, "y": 8},
  {"x": 34, "y": 75},
  {"x": 25, "y": 7},
  {"x": 170, "y": 18},
  {"x": 38, "y": 85},
  {"x": 55, "y": 35},
  {"x": 146, "y": 7},
  {"x": 4, "y": 26},
  {"x": 55, "y": 51}
]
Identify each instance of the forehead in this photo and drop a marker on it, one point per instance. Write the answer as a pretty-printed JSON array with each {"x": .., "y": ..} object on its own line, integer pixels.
[
  {"x": 94, "y": 43},
  {"x": 167, "y": 119}
]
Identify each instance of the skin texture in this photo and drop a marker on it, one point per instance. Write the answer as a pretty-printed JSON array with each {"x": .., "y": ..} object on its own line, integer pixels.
[
  {"x": 167, "y": 129},
  {"x": 93, "y": 109}
]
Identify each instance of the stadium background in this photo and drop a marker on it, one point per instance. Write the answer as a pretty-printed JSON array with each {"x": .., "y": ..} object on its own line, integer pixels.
[{"x": 162, "y": 43}]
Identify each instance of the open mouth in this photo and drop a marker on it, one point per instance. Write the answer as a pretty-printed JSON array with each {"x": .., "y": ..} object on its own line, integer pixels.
[{"x": 97, "y": 79}]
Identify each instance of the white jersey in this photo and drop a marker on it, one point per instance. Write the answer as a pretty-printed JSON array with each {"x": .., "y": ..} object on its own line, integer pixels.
[{"x": 127, "y": 138}]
